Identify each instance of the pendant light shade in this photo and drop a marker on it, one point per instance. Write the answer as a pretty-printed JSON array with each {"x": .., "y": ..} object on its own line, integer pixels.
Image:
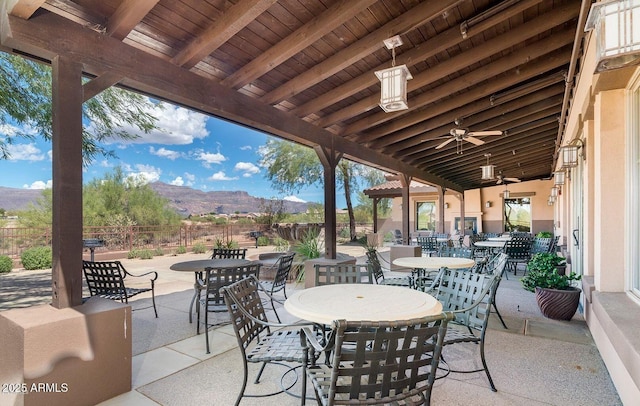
[
  {"x": 506, "y": 194},
  {"x": 558, "y": 178},
  {"x": 488, "y": 170},
  {"x": 393, "y": 81}
]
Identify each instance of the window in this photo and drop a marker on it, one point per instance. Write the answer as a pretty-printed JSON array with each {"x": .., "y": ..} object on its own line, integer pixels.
[
  {"x": 517, "y": 214},
  {"x": 426, "y": 216}
]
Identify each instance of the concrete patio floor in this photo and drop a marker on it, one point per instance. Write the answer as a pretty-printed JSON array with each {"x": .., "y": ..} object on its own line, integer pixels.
[{"x": 536, "y": 361}]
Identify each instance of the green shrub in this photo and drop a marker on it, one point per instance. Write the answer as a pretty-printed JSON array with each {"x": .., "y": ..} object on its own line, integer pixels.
[
  {"x": 158, "y": 252},
  {"x": 544, "y": 234},
  {"x": 263, "y": 241},
  {"x": 199, "y": 248},
  {"x": 281, "y": 244},
  {"x": 181, "y": 250},
  {"x": 145, "y": 254},
  {"x": 6, "y": 264},
  {"x": 37, "y": 258},
  {"x": 132, "y": 254}
]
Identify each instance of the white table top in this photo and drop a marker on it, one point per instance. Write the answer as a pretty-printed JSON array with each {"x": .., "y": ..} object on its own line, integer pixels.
[
  {"x": 503, "y": 238},
  {"x": 434, "y": 262},
  {"x": 199, "y": 265},
  {"x": 360, "y": 301},
  {"x": 489, "y": 244}
]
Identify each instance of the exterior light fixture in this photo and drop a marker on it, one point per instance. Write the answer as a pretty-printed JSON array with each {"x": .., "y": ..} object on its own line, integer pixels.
[
  {"x": 552, "y": 199},
  {"x": 558, "y": 178},
  {"x": 549, "y": 203},
  {"x": 506, "y": 193},
  {"x": 554, "y": 191},
  {"x": 488, "y": 170},
  {"x": 570, "y": 153},
  {"x": 393, "y": 81},
  {"x": 446, "y": 205},
  {"x": 617, "y": 33},
  {"x": 487, "y": 204}
]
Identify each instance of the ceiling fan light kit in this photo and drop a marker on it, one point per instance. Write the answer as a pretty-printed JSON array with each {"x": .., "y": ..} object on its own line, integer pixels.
[
  {"x": 459, "y": 134},
  {"x": 393, "y": 81}
]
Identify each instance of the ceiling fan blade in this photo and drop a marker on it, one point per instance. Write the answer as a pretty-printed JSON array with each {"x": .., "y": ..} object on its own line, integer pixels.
[
  {"x": 499, "y": 181},
  {"x": 445, "y": 143},
  {"x": 513, "y": 179},
  {"x": 483, "y": 133},
  {"x": 474, "y": 141}
]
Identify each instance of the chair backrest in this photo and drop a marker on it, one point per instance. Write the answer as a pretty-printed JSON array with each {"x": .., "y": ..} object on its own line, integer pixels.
[
  {"x": 541, "y": 244},
  {"x": 398, "y": 236},
  {"x": 427, "y": 243},
  {"x": 388, "y": 361},
  {"x": 105, "y": 277},
  {"x": 217, "y": 278},
  {"x": 457, "y": 252},
  {"x": 285, "y": 263},
  {"x": 468, "y": 295},
  {"x": 342, "y": 273},
  {"x": 244, "y": 304},
  {"x": 374, "y": 265},
  {"x": 223, "y": 253},
  {"x": 518, "y": 248}
]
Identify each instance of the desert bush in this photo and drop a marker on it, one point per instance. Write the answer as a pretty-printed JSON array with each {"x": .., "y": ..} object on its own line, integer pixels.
[
  {"x": 199, "y": 248},
  {"x": 181, "y": 250},
  {"x": 6, "y": 264},
  {"x": 37, "y": 258}
]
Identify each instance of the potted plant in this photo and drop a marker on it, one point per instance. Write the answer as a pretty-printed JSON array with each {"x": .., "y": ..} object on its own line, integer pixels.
[{"x": 556, "y": 296}]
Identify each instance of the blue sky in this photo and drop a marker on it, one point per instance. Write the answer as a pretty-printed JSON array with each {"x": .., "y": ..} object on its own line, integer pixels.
[{"x": 188, "y": 149}]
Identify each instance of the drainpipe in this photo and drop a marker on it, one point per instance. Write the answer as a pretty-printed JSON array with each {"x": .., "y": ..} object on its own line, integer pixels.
[{"x": 569, "y": 80}]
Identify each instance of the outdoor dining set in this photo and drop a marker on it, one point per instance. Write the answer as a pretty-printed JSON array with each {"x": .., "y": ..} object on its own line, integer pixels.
[{"x": 362, "y": 331}]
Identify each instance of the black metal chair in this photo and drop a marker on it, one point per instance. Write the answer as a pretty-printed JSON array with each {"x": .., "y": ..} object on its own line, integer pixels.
[
  {"x": 258, "y": 339},
  {"x": 495, "y": 265},
  {"x": 541, "y": 245},
  {"x": 519, "y": 251},
  {"x": 391, "y": 362},
  {"x": 107, "y": 279},
  {"x": 198, "y": 286},
  {"x": 373, "y": 261},
  {"x": 429, "y": 245},
  {"x": 279, "y": 282},
  {"x": 468, "y": 295},
  {"x": 213, "y": 301},
  {"x": 457, "y": 252},
  {"x": 342, "y": 273}
]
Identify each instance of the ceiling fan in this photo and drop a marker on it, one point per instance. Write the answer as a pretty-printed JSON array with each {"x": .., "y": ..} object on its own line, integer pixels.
[
  {"x": 503, "y": 179},
  {"x": 460, "y": 134}
]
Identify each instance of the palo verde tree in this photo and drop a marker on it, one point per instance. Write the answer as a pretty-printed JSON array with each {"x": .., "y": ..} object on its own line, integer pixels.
[
  {"x": 290, "y": 167},
  {"x": 25, "y": 102}
]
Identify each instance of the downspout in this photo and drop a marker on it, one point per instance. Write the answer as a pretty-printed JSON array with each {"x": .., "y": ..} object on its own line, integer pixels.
[{"x": 569, "y": 80}]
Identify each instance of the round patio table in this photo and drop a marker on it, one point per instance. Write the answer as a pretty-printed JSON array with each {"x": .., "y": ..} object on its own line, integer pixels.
[
  {"x": 434, "y": 262},
  {"x": 199, "y": 265},
  {"x": 490, "y": 244},
  {"x": 360, "y": 301}
]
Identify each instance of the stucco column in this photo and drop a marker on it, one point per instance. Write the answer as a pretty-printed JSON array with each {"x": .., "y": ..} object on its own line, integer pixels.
[{"x": 609, "y": 190}]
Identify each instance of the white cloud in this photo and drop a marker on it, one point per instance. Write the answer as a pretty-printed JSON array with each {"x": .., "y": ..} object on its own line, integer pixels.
[
  {"x": 144, "y": 173},
  {"x": 25, "y": 152},
  {"x": 246, "y": 148},
  {"x": 176, "y": 126},
  {"x": 191, "y": 178},
  {"x": 165, "y": 153},
  {"x": 209, "y": 158},
  {"x": 221, "y": 176},
  {"x": 247, "y": 169},
  {"x": 294, "y": 199},
  {"x": 177, "y": 181},
  {"x": 39, "y": 185}
]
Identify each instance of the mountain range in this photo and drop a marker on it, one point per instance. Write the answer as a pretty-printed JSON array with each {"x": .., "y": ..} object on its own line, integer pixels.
[{"x": 185, "y": 200}]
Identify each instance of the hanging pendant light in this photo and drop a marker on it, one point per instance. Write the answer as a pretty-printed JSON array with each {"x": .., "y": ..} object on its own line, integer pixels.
[
  {"x": 488, "y": 170},
  {"x": 393, "y": 81},
  {"x": 506, "y": 193},
  {"x": 554, "y": 191},
  {"x": 558, "y": 178}
]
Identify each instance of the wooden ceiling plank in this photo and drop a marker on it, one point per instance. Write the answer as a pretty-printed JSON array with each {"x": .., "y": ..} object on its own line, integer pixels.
[
  {"x": 23, "y": 8},
  {"x": 418, "y": 15},
  {"x": 46, "y": 37},
  {"x": 230, "y": 23},
  {"x": 476, "y": 54},
  {"x": 297, "y": 41},
  {"x": 430, "y": 128},
  {"x": 511, "y": 61},
  {"x": 127, "y": 16},
  {"x": 421, "y": 52}
]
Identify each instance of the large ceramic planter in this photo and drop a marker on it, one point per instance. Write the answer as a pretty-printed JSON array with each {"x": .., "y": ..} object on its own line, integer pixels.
[{"x": 558, "y": 304}]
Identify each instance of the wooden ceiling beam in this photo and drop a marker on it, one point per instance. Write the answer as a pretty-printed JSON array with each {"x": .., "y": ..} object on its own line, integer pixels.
[
  {"x": 515, "y": 60},
  {"x": 47, "y": 36},
  {"x": 417, "y": 16},
  {"x": 427, "y": 49},
  {"x": 127, "y": 16},
  {"x": 474, "y": 55},
  {"x": 303, "y": 37},
  {"x": 229, "y": 24},
  {"x": 23, "y": 8}
]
